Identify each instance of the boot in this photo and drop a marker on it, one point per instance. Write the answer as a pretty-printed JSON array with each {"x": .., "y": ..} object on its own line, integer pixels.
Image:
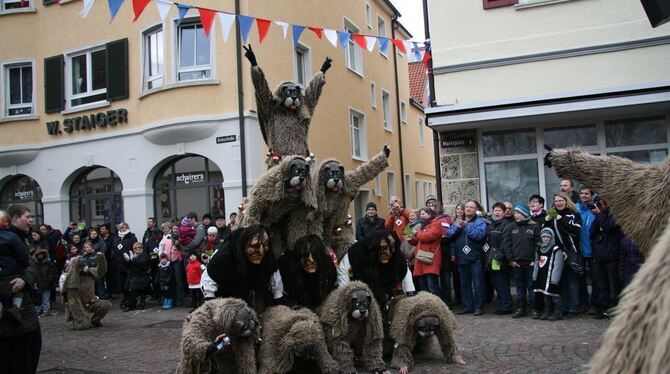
[
  {"x": 168, "y": 304},
  {"x": 556, "y": 316}
]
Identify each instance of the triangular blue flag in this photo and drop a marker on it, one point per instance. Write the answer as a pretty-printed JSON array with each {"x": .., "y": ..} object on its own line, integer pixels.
[
  {"x": 383, "y": 45},
  {"x": 343, "y": 37},
  {"x": 417, "y": 52},
  {"x": 245, "y": 25},
  {"x": 297, "y": 31},
  {"x": 114, "y": 6},
  {"x": 183, "y": 9}
]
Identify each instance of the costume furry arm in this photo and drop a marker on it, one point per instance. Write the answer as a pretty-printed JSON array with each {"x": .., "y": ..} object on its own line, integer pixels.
[
  {"x": 264, "y": 98},
  {"x": 313, "y": 91},
  {"x": 638, "y": 194},
  {"x": 268, "y": 189},
  {"x": 365, "y": 173}
]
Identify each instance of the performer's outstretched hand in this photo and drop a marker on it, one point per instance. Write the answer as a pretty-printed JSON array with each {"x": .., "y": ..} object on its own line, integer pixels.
[
  {"x": 327, "y": 63},
  {"x": 387, "y": 151},
  {"x": 249, "y": 54}
]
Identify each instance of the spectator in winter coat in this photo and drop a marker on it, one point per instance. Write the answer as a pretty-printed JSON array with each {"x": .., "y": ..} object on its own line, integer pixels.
[
  {"x": 567, "y": 186},
  {"x": 448, "y": 266},
  {"x": 14, "y": 260},
  {"x": 224, "y": 230},
  {"x": 630, "y": 261},
  {"x": 149, "y": 233},
  {"x": 370, "y": 223},
  {"x": 521, "y": 238},
  {"x": 170, "y": 246},
  {"x": 99, "y": 246},
  {"x": 398, "y": 217},
  {"x": 186, "y": 231},
  {"x": 122, "y": 247},
  {"x": 536, "y": 206},
  {"x": 584, "y": 207},
  {"x": 194, "y": 271},
  {"x": 211, "y": 242},
  {"x": 166, "y": 281},
  {"x": 468, "y": 238},
  {"x": 547, "y": 272},
  {"x": 46, "y": 277},
  {"x": 200, "y": 234},
  {"x": 138, "y": 277},
  {"x": 427, "y": 242},
  {"x": 496, "y": 261},
  {"x": 606, "y": 238}
]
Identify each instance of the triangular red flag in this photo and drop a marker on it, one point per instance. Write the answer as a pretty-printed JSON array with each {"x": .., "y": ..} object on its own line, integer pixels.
[
  {"x": 360, "y": 40},
  {"x": 399, "y": 44},
  {"x": 317, "y": 30},
  {"x": 426, "y": 57},
  {"x": 207, "y": 19},
  {"x": 138, "y": 7},
  {"x": 23, "y": 3},
  {"x": 263, "y": 27}
]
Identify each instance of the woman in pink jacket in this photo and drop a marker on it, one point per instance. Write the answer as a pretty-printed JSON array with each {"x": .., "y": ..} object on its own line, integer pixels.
[
  {"x": 427, "y": 254},
  {"x": 171, "y": 247}
]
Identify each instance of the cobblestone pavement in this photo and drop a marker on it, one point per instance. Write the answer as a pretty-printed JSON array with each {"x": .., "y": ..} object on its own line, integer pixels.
[{"x": 148, "y": 342}]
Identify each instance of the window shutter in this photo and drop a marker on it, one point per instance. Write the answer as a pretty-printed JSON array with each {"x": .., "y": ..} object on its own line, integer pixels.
[
  {"x": 54, "y": 83},
  {"x": 117, "y": 69},
  {"x": 488, "y": 4}
]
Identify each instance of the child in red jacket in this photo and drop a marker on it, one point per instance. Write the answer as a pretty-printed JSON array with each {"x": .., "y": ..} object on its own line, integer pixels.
[{"x": 194, "y": 271}]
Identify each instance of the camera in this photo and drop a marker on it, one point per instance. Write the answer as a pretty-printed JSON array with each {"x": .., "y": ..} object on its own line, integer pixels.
[{"x": 595, "y": 202}]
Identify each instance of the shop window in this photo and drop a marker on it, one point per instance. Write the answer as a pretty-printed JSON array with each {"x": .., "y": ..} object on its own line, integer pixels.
[
  {"x": 95, "y": 198},
  {"x": 565, "y": 137},
  {"x": 513, "y": 180},
  {"x": 19, "y": 89},
  {"x": 506, "y": 143},
  {"x": 353, "y": 52},
  {"x": 23, "y": 189},
  {"x": 154, "y": 59},
  {"x": 193, "y": 50},
  {"x": 641, "y": 131}
]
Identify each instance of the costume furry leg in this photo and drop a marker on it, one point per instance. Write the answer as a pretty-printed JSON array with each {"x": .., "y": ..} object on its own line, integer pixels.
[
  {"x": 423, "y": 314},
  {"x": 200, "y": 329},
  {"x": 78, "y": 291},
  {"x": 348, "y": 337},
  {"x": 289, "y": 335}
]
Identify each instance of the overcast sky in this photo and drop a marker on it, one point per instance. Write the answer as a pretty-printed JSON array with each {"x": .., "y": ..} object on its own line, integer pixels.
[{"x": 412, "y": 17}]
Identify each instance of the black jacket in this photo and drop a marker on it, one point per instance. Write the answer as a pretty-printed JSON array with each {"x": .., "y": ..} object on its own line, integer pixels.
[
  {"x": 495, "y": 241},
  {"x": 121, "y": 246},
  {"x": 520, "y": 241},
  {"x": 14, "y": 256},
  {"x": 606, "y": 238},
  {"x": 138, "y": 272},
  {"x": 567, "y": 230},
  {"x": 366, "y": 226}
]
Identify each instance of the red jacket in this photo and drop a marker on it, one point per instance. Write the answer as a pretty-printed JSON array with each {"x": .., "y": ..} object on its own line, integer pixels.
[
  {"x": 397, "y": 223},
  {"x": 428, "y": 239},
  {"x": 193, "y": 273}
]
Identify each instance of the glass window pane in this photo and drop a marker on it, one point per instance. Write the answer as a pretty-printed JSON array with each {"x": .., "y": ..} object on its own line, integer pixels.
[
  {"x": 552, "y": 184},
  {"x": 187, "y": 46},
  {"x": 639, "y": 131},
  {"x": 15, "y": 86},
  {"x": 509, "y": 143},
  {"x": 164, "y": 206},
  {"x": 202, "y": 46},
  {"x": 571, "y": 136},
  {"x": 79, "y": 74},
  {"x": 164, "y": 179},
  {"x": 511, "y": 181},
  {"x": 300, "y": 69},
  {"x": 653, "y": 156},
  {"x": 215, "y": 175},
  {"x": 27, "y": 84},
  {"x": 191, "y": 200},
  {"x": 99, "y": 69},
  {"x": 217, "y": 201}
]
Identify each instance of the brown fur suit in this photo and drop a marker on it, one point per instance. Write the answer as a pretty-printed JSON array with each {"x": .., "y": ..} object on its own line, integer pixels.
[
  {"x": 79, "y": 293},
  {"x": 285, "y": 132},
  {"x": 637, "y": 340},
  {"x": 348, "y": 338},
  {"x": 289, "y": 335},
  {"x": 333, "y": 208},
  {"x": 213, "y": 318},
  {"x": 405, "y": 312}
]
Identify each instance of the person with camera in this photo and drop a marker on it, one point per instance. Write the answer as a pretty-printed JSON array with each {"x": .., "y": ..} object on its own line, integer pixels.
[
  {"x": 606, "y": 239},
  {"x": 584, "y": 206},
  {"x": 398, "y": 217}
]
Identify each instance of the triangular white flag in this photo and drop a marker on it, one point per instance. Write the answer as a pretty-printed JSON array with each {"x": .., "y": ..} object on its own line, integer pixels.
[
  {"x": 163, "y": 8},
  {"x": 331, "y": 35},
  {"x": 88, "y": 4},
  {"x": 284, "y": 27},
  {"x": 227, "y": 21},
  {"x": 370, "y": 42},
  {"x": 409, "y": 47}
]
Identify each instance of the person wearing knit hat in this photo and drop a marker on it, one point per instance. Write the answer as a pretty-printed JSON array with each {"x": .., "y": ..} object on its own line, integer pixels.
[
  {"x": 368, "y": 224},
  {"x": 519, "y": 241},
  {"x": 186, "y": 231},
  {"x": 212, "y": 231},
  {"x": 547, "y": 271}
]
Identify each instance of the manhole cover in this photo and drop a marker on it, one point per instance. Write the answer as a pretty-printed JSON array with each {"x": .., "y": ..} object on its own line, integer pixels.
[{"x": 167, "y": 324}]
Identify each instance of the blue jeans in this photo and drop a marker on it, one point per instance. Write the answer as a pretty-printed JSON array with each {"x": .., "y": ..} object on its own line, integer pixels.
[
  {"x": 501, "y": 283},
  {"x": 430, "y": 283},
  {"x": 523, "y": 279},
  {"x": 101, "y": 289},
  {"x": 472, "y": 273},
  {"x": 445, "y": 287},
  {"x": 46, "y": 302},
  {"x": 570, "y": 291}
]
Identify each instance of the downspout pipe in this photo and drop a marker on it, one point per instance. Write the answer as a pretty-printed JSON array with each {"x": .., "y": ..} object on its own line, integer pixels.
[
  {"x": 240, "y": 101},
  {"x": 397, "y": 95},
  {"x": 430, "y": 104}
]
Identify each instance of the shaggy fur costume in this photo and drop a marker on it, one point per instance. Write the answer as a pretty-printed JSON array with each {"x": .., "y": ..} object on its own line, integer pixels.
[
  {"x": 213, "y": 318},
  {"x": 290, "y": 335},
  {"x": 348, "y": 338},
  {"x": 638, "y": 195},
  {"x": 79, "y": 293},
  {"x": 285, "y": 132},
  {"x": 333, "y": 208},
  {"x": 405, "y": 312}
]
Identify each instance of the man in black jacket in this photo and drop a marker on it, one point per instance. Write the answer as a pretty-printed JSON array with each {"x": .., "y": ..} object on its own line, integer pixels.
[
  {"x": 606, "y": 244},
  {"x": 368, "y": 224}
]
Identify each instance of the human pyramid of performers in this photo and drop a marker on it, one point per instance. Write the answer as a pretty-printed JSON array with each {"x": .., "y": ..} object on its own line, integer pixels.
[{"x": 294, "y": 289}]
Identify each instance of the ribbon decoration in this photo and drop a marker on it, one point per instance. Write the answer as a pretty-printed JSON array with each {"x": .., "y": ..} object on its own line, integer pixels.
[
  {"x": 263, "y": 28},
  {"x": 207, "y": 19}
]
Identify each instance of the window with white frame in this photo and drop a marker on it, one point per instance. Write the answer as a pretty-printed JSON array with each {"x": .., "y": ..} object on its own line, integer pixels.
[
  {"x": 303, "y": 63},
  {"x": 353, "y": 51},
  {"x": 422, "y": 140},
  {"x": 417, "y": 194},
  {"x": 378, "y": 185},
  {"x": 8, "y": 5},
  {"x": 408, "y": 193},
  {"x": 154, "y": 59},
  {"x": 86, "y": 76},
  {"x": 373, "y": 95},
  {"x": 360, "y": 202},
  {"x": 426, "y": 189},
  {"x": 18, "y": 79},
  {"x": 386, "y": 108},
  {"x": 368, "y": 15},
  {"x": 390, "y": 183},
  {"x": 194, "y": 59},
  {"x": 403, "y": 112},
  {"x": 358, "y": 135},
  {"x": 381, "y": 31}
]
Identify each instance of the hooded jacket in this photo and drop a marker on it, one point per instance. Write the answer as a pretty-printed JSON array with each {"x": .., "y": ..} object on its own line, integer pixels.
[{"x": 548, "y": 267}]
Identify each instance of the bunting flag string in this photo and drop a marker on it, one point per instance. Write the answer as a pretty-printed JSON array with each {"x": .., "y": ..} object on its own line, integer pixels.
[{"x": 227, "y": 19}]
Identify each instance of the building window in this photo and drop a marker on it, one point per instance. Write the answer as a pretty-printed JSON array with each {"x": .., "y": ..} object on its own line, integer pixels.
[
  {"x": 584, "y": 137},
  {"x": 422, "y": 140},
  {"x": 408, "y": 192},
  {"x": 154, "y": 61},
  {"x": 390, "y": 183},
  {"x": 403, "y": 112},
  {"x": 358, "y": 136},
  {"x": 368, "y": 15},
  {"x": 378, "y": 185},
  {"x": 360, "y": 202},
  {"x": 19, "y": 89},
  {"x": 506, "y": 143},
  {"x": 417, "y": 197},
  {"x": 489, "y": 4},
  {"x": 373, "y": 95},
  {"x": 87, "y": 76},
  {"x": 381, "y": 31},
  {"x": 6, "y": 5},
  {"x": 353, "y": 51},
  {"x": 302, "y": 64},
  {"x": 96, "y": 197},
  {"x": 386, "y": 108},
  {"x": 193, "y": 52},
  {"x": 24, "y": 190}
]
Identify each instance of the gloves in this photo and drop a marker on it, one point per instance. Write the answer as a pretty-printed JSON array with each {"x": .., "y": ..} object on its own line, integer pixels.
[
  {"x": 249, "y": 54},
  {"x": 547, "y": 157},
  {"x": 387, "y": 151},
  {"x": 327, "y": 63}
]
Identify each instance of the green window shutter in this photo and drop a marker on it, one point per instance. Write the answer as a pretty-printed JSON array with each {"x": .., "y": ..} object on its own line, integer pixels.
[
  {"x": 117, "y": 69},
  {"x": 54, "y": 84}
]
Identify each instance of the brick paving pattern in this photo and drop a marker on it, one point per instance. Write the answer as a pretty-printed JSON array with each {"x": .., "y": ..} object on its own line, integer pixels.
[{"x": 148, "y": 342}]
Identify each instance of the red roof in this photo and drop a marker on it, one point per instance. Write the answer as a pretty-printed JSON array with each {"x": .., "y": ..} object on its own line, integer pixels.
[{"x": 417, "y": 81}]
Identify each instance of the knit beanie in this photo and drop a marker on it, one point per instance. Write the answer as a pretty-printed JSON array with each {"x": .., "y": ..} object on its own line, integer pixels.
[
  {"x": 212, "y": 230},
  {"x": 522, "y": 209},
  {"x": 371, "y": 205},
  {"x": 547, "y": 232},
  {"x": 186, "y": 221}
]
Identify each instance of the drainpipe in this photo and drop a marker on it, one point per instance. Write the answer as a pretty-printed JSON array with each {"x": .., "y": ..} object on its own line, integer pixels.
[
  {"x": 397, "y": 102},
  {"x": 431, "y": 90},
  {"x": 240, "y": 100}
]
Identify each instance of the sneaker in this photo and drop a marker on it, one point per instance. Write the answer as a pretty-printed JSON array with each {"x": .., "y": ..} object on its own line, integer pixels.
[
  {"x": 519, "y": 313},
  {"x": 478, "y": 312},
  {"x": 464, "y": 311},
  {"x": 501, "y": 312}
]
